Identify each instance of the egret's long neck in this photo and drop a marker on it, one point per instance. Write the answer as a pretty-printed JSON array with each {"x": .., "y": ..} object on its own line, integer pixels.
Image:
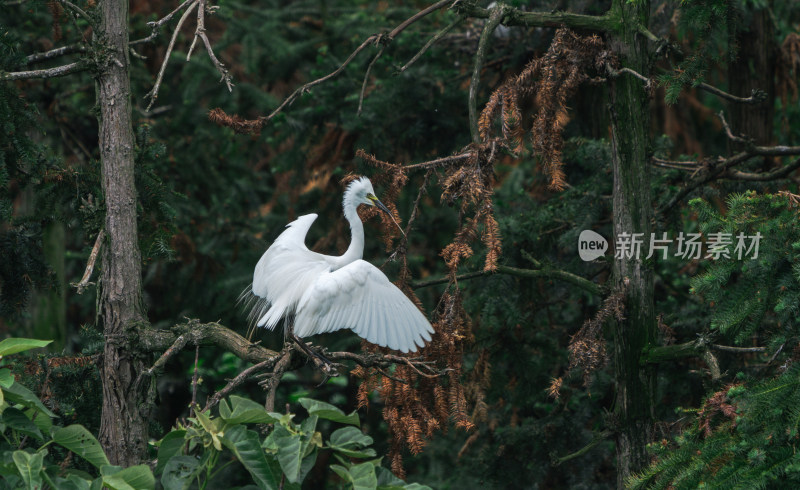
[{"x": 356, "y": 249}]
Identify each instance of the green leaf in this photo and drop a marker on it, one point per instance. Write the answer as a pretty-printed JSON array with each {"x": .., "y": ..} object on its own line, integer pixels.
[
  {"x": 16, "y": 393},
  {"x": 133, "y": 478},
  {"x": 245, "y": 411},
  {"x": 179, "y": 472},
  {"x": 387, "y": 480},
  {"x": 6, "y": 378},
  {"x": 246, "y": 446},
  {"x": 30, "y": 467},
  {"x": 293, "y": 454},
  {"x": 350, "y": 441},
  {"x": 330, "y": 412},
  {"x": 14, "y": 345},
  {"x": 80, "y": 441},
  {"x": 364, "y": 477},
  {"x": 171, "y": 445},
  {"x": 18, "y": 421},
  {"x": 71, "y": 482}
]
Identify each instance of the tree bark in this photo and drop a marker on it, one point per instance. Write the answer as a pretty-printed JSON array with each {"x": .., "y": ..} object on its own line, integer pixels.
[
  {"x": 754, "y": 68},
  {"x": 124, "y": 420},
  {"x": 632, "y": 214}
]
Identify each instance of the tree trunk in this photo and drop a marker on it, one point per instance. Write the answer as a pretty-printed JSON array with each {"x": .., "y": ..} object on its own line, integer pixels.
[
  {"x": 632, "y": 214},
  {"x": 124, "y": 422},
  {"x": 754, "y": 68}
]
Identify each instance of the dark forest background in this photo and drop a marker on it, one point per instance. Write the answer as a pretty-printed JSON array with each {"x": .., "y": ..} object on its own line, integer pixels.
[{"x": 532, "y": 331}]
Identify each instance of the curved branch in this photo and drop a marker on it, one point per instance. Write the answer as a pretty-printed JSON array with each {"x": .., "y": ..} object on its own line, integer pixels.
[
  {"x": 495, "y": 17},
  {"x": 544, "y": 273}
]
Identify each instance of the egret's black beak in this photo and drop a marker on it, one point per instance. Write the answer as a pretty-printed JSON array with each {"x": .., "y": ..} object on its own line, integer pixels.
[{"x": 383, "y": 208}]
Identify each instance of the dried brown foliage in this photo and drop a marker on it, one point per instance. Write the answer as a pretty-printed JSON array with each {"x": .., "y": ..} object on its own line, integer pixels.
[
  {"x": 551, "y": 80},
  {"x": 717, "y": 404},
  {"x": 239, "y": 125},
  {"x": 587, "y": 348}
]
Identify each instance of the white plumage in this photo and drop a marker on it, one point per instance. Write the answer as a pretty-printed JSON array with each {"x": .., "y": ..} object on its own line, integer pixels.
[{"x": 325, "y": 293}]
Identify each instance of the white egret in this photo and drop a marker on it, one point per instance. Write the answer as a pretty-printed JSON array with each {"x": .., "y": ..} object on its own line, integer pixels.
[{"x": 323, "y": 293}]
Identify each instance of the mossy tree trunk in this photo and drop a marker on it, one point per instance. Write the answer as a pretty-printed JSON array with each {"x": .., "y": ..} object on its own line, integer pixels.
[
  {"x": 124, "y": 420},
  {"x": 632, "y": 214}
]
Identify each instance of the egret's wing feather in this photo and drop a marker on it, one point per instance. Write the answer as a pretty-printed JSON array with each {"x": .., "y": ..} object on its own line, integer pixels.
[
  {"x": 360, "y": 297},
  {"x": 285, "y": 271}
]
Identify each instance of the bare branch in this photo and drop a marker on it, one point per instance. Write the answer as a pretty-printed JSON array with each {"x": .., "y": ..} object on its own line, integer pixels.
[
  {"x": 157, "y": 24},
  {"x": 77, "y": 10},
  {"x": 201, "y": 33},
  {"x": 256, "y": 124},
  {"x": 597, "y": 438},
  {"x": 247, "y": 373},
  {"x": 439, "y": 162},
  {"x": 58, "y": 71},
  {"x": 779, "y": 173},
  {"x": 431, "y": 41},
  {"x": 737, "y": 139},
  {"x": 496, "y": 16},
  {"x": 756, "y": 96},
  {"x": 55, "y": 53},
  {"x": 737, "y": 350},
  {"x": 366, "y": 76},
  {"x": 544, "y": 273},
  {"x": 273, "y": 380},
  {"x": 153, "y": 94},
  {"x": 516, "y": 17},
  {"x": 84, "y": 282}
]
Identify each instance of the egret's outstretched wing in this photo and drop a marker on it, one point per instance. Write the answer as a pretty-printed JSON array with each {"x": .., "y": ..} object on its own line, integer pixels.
[
  {"x": 286, "y": 270},
  {"x": 360, "y": 297}
]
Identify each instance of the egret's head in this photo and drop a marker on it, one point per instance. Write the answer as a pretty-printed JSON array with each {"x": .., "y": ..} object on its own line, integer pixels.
[{"x": 360, "y": 191}]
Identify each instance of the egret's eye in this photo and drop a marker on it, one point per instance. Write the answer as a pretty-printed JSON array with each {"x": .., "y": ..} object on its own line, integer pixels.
[{"x": 372, "y": 198}]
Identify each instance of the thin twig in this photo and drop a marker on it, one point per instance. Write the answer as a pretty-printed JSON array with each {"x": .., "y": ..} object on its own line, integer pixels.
[
  {"x": 58, "y": 71},
  {"x": 241, "y": 378},
  {"x": 737, "y": 139},
  {"x": 201, "y": 33},
  {"x": 271, "y": 384},
  {"x": 155, "y": 25},
  {"x": 87, "y": 274},
  {"x": 495, "y": 17},
  {"x": 596, "y": 439},
  {"x": 438, "y": 162},
  {"x": 78, "y": 11},
  {"x": 737, "y": 350},
  {"x": 195, "y": 378},
  {"x": 431, "y": 41},
  {"x": 153, "y": 94},
  {"x": 366, "y": 77},
  {"x": 422, "y": 13}
]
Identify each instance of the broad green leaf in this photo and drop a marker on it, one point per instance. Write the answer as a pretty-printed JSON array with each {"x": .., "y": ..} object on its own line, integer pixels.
[
  {"x": 12, "y": 346},
  {"x": 30, "y": 467},
  {"x": 179, "y": 472},
  {"x": 364, "y": 477},
  {"x": 416, "y": 486},
  {"x": 246, "y": 446},
  {"x": 80, "y": 441},
  {"x": 170, "y": 446},
  {"x": 330, "y": 412},
  {"x": 6, "y": 378},
  {"x": 43, "y": 423},
  {"x": 71, "y": 482},
  {"x": 291, "y": 449},
  {"x": 350, "y": 441},
  {"x": 342, "y": 472},
  {"x": 244, "y": 411},
  {"x": 387, "y": 480},
  {"x": 133, "y": 478},
  {"x": 16, "y": 393},
  {"x": 18, "y": 421}
]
